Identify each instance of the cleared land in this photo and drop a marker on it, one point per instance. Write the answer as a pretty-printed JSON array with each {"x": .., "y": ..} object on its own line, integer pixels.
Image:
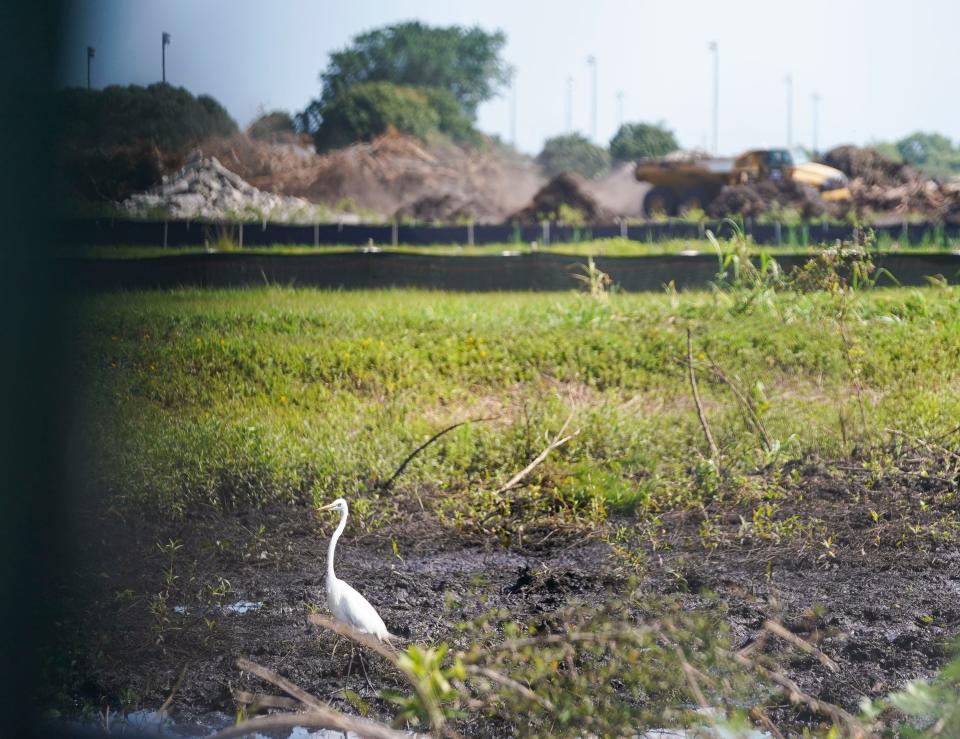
[{"x": 213, "y": 421}]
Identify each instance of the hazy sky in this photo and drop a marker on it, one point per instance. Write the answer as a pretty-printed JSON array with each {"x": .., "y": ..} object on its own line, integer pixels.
[{"x": 883, "y": 68}]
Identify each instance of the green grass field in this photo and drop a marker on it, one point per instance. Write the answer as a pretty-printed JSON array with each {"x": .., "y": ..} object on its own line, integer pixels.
[{"x": 243, "y": 397}]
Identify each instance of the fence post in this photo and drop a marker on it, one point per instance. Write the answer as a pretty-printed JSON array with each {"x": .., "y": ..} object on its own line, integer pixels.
[
  {"x": 776, "y": 231},
  {"x": 394, "y": 233},
  {"x": 316, "y": 234},
  {"x": 623, "y": 229},
  {"x": 545, "y": 230},
  {"x": 241, "y": 234},
  {"x": 164, "y": 234},
  {"x": 470, "y": 233}
]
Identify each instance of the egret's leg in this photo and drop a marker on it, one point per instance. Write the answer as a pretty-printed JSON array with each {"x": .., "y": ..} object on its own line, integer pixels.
[
  {"x": 353, "y": 650},
  {"x": 365, "y": 676}
]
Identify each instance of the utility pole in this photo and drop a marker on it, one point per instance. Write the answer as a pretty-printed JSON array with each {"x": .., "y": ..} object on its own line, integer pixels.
[
  {"x": 816, "y": 122},
  {"x": 789, "y": 83},
  {"x": 513, "y": 107},
  {"x": 592, "y": 61},
  {"x": 569, "y": 104},
  {"x": 91, "y": 53},
  {"x": 619, "y": 108},
  {"x": 164, "y": 42},
  {"x": 716, "y": 91}
]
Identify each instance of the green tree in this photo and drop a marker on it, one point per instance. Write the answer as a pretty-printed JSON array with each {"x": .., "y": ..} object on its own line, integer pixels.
[
  {"x": 573, "y": 153},
  {"x": 934, "y": 153},
  {"x": 369, "y": 109},
  {"x": 271, "y": 125},
  {"x": 642, "y": 140},
  {"x": 464, "y": 62}
]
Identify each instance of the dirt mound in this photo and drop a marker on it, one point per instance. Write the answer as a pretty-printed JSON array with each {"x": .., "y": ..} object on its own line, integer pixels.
[
  {"x": 880, "y": 185},
  {"x": 205, "y": 189},
  {"x": 619, "y": 191},
  {"x": 394, "y": 174},
  {"x": 566, "y": 189},
  {"x": 757, "y": 198}
]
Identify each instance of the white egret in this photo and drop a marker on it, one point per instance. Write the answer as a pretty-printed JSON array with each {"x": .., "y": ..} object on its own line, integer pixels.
[{"x": 345, "y": 603}]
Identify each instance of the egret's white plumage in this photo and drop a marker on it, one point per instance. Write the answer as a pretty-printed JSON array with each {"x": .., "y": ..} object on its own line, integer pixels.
[{"x": 345, "y": 603}]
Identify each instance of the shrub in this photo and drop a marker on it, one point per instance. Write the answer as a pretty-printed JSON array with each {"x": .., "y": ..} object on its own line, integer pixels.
[
  {"x": 573, "y": 153},
  {"x": 642, "y": 140}
]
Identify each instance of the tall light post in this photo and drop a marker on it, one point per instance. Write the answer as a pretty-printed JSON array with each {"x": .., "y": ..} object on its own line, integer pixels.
[
  {"x": 164, "y": 43},
  {"x": 569, "y": 104},
  {"x": 619, "y": 108},
  {"x": 513, "y": 106},
  {"x": 714, "y": 49},
  {"x": 788, "y": 81},
  {"x": 592, "y": 61},
  {"x": 91, "y": 53},
  {"x": 816, "y": 122}
]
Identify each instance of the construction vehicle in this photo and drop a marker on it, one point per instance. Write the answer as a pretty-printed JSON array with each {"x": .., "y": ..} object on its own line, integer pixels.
[{"x": 686, "y": 183}]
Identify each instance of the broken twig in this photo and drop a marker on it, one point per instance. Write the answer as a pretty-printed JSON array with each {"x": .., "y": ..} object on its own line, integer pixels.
[
  {"x": 714, "y": 452},
  {"x": 558, "y": 440}
]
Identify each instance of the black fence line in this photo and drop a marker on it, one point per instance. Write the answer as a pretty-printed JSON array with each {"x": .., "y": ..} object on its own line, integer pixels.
[
  {"x": 528, "y": 271},
  {"x": 181, "y": 233}
]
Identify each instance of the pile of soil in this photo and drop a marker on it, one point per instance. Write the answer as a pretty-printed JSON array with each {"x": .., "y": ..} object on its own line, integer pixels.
[
  {"x": 394, "y": 174},
  {"x": 880, "y": 185},
  {"x": 566, "y": 189},
  {"x": 757, "y": 198}
]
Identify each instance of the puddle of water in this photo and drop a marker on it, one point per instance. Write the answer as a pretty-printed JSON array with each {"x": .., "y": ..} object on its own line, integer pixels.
[{"x": 241, "y": 607}]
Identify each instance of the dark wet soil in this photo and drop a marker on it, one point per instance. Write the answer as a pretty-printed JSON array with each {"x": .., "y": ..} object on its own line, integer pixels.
[{"x": 873, "y": 579}]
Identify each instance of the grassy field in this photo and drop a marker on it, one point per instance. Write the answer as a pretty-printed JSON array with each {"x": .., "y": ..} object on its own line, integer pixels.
[
  {"x": 245, "y": 397},
  {"x": 600, "y": 247},
  {"x": 831, "y": 405}
]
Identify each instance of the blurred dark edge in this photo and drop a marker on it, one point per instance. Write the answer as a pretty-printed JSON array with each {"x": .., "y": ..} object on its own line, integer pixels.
[{"x": 35, "y": 371}]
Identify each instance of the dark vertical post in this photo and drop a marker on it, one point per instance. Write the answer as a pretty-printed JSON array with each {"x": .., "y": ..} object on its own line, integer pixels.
[
  {"x": 164, "y": 41},
  {"x": 91, "y": 53}
]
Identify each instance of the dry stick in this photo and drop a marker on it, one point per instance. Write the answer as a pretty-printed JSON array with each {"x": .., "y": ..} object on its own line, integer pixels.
[
  {"x": 173, "y": 691},
  {"x": 328, "y": 718},
  {"x": 558, "y": 440},
  {"x": 758, "y": 714},
  {"x": 751, "y": 415},
  {"x": 714, "y": 452},
  {"x": 295, "y": 691},
  {"x": 507, "y": 682},
  {"x": 796, "y": 695},
  {"x": 257, "y": 701},
  {"x": 857, "y": 385},
  {"x": 691, "y": 678},
  {"x": 931, "y": 447},
  {"x": 390, "y": 654},
  {"x": 802, "y": 644},
  {"x": 403, "y": 465}
]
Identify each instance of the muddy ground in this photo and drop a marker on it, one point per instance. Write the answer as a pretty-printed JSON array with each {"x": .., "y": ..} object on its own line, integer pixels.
[{"x": 875, "y": 583}]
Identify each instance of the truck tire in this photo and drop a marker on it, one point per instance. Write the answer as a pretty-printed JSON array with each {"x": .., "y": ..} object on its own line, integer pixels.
[
  {"x": 693, "y": 200},
  {"x": 659, "y": 201}
]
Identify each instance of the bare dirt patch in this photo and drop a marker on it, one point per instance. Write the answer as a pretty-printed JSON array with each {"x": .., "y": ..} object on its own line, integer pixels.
[{"x": 865, "y": 566}]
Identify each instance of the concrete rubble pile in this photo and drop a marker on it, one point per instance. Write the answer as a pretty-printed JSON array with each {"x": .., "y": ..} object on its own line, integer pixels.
[{"x": 204, "y": 189}]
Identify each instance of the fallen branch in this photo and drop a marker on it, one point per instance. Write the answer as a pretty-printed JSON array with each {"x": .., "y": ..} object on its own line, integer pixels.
[
  {"x": 403, "y": 465},
  {"x": 745, "y": 405},
  {"x": 294, "y": 691},
  {"x": 496, "y": 677},
  {"x": 256, "y": 701},
  {"x": 558, "y": 440},
  {"x": 176, "y": 686},
  {"x": 779, "y": 630},
  {"x": 714, "y": 451},
  {"x": 328, "y": 718},
  {"x": 796, "y": 695}
]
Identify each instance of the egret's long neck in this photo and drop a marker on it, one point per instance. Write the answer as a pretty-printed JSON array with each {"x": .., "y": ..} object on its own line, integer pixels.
[{"x": 333, "y": 543}]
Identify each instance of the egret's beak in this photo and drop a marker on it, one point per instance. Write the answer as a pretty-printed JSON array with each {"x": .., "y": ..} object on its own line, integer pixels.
[{"x": 327, "y": 507}]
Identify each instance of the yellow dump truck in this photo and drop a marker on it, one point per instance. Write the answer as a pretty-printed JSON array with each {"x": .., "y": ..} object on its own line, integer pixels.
[{"x": 681, "y": 184}]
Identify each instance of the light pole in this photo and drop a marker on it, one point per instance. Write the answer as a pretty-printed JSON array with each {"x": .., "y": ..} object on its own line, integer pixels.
[
  {"x": 716, "y": 91},
  {"x": 569, "y": 104},
  {"x": 91, "y": 53},
  {"x": 513, "y": 107},
  {"x": 788, "y": 81},
  {"x": 816, "y": 122},
  {"x": 619, "y": 108},
  {"x": 164, "y": 42},
  {"x": 592, "y": 61}
]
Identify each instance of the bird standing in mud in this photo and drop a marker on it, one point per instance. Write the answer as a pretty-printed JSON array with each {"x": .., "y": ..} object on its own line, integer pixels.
[{"x": 345, "y": 603}]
